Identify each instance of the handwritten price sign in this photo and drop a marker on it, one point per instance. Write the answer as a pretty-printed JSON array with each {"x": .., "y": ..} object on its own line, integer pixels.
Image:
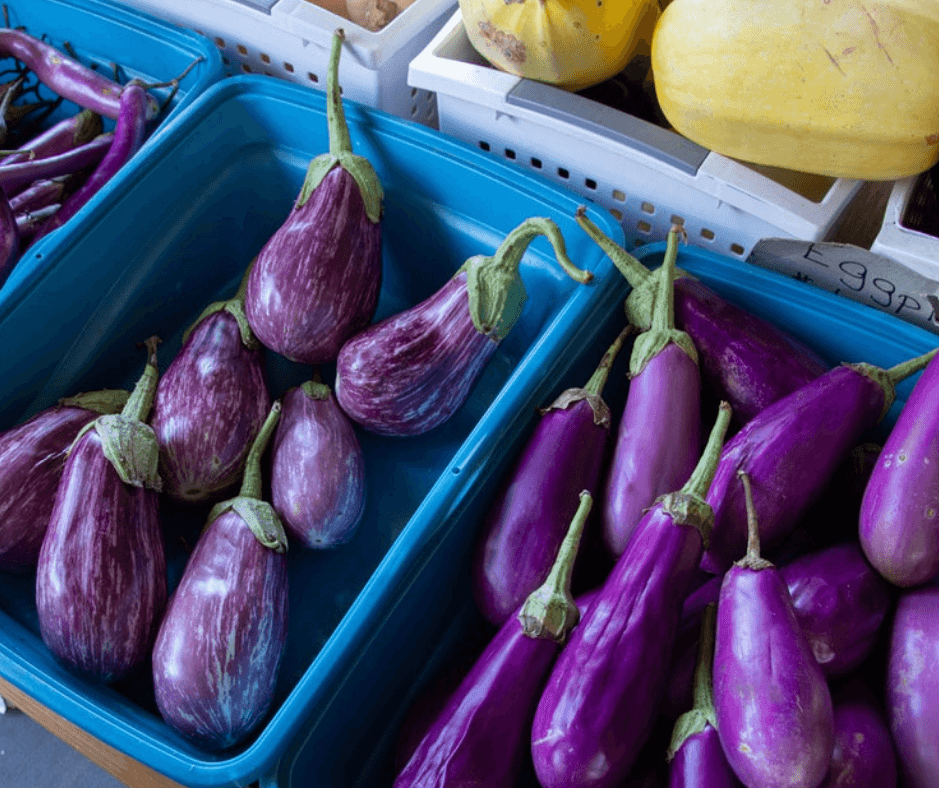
[{"x": 855, "y": 273}]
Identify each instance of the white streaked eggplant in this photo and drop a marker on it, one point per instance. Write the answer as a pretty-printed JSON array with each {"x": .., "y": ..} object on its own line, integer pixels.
[{"x": 101, "y": 576}]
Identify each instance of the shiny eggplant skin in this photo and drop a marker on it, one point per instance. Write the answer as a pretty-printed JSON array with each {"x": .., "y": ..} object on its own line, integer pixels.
[
  {"x": 700, "y": 763},
  {"x": 410, "y": 372},
  {"x": 841, "y": 603},
  {"x": 317, "y": 469},
  {"x": 218, "y": 651},
  {"x": 317, "y": 279},
  {"x": 101, "y": 574},
  {"x": 912, "y": 686},
  {"x": 209, "y": 405},
  {"x": 790, "y": 450},
  {"x": 774, "y": 708},
  {"x": 898, "y": 527}
]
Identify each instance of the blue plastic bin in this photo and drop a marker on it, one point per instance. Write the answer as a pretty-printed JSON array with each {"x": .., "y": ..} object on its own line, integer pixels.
[
  {"x": 101, "y": 34},
  {"x": 176, "y": 234},
  {"x": 342, "y": 754}
]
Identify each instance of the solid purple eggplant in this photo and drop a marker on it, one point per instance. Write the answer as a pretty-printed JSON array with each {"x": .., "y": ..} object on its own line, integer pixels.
[
  {"x": 210, "y": 405},
  {"x": 659, "y": 435},
  {"x": 40, "y": 194},
  {"x": 217, "y": 655},
  {"x": 898, "y": 526},
  {"x": 101, "y": 574},
  {"x": 841, "y": 603},
  {"x": 62, "y": 136},
  {"x": 602, "y": 697},
  {"x": 317, "y": 469},
  {"x": 527, "y": 521},
  {"x": 9, "y": 239},
  {"x": 773, "y": 705},
  {"x": 864, "y": 755},
  {"x": 750, "y": 362},
  {"x": 792, "y": 449},
  {"x": 701, "y": 763},
  {"x": 317, "y": 280},
  {"x": 912, "y": 686},
  {"x": 32, "y": 457}
]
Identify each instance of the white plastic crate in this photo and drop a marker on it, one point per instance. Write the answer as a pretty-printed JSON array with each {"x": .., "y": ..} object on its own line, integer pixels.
[
  {"x": 290, "y": 39},
  {"x": 904, "y": 236},
  {"x": 647, "y": 176}
]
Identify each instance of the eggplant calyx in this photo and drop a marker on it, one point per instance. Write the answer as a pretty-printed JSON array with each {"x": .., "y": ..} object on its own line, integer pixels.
[
  {"x": 317, "y": 390},
  {"x": 882, "y": 378},
  {"x": 101, "y": 402},
  {"x": 550, "y": 612},
  {"x": 601, "y": 411},
  {"x": 689, "y": 509},
  {"x": 88, "y": 125},
  {"x": 361, "y": 171},
  {"x": 236, "y": 308},
  {"x": 494, "y": 284},
  {"x": 260, "y": 518},
  {"x": 132, "y": 449}
]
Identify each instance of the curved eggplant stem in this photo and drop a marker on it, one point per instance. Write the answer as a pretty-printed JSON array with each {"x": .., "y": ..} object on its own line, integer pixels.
[
  {"x": 632, "y": 270},
  {"x": 602, "y": 373},
  {"x": 251, "y": 481},
  {"x": 753, "y": 559},
  {"x": 141, "y": 398},
  {"x": 339, "y": 140},
  {"x": 514, "y": 244}
]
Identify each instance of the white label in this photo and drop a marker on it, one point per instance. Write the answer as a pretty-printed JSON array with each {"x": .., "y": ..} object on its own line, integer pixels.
[{"x": 855, "y": 273}]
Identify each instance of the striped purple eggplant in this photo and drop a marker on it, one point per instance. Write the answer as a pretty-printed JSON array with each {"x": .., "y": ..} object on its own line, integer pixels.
[
  {"x": 659, "y": 436},
  {"x": 696, "y": 758},
  {"x": 410, "y": 372},
  {"x": 912, "y": 686},
  {"x": 773, "y": 705},
  {"x": 602, "y": 697},
  {"x": 32, "y": 457},
  {"x": 528, "y": 518},
  {"x": 317, "y": 280},
  {"x": 219, "y": 647},
  {"x": 481, "y": 735},
  {"x": 101, "y": 574},
  {"x": 841, "y": 604},
  {"x": 317, "y": 468},
  {"x": 864, "y": 755},
  {"x": 210, "y": 405},
  {"x": 898, "y": 525},
  {"x": 749, "y": 362},
  {"x": 792, "y": 449}
]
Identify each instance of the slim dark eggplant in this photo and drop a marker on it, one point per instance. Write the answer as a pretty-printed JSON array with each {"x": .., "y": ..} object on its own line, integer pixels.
[
  {"x": 481, "y": 736},
  {"x": 750, "y": 362},
  {"x": 210, "y": 405},
  {"x": 217, "y": 655},
  {"x": 898, "y": 526},
  {"x": 32, "y": 457},
  {"x": 659, "y": 436},
  {"x": 317, "y": 280},
  {"x": 528, "y": 518},
  {"x": 792, "y": 449},
  {"x": 40, "y": 194},
  {"x": 21, "y": 174},
  {"x": 602, "y": 697},
  {"x": 101, "y": 574},
  {"x": 411, "y": 372},
  {"x": 9, "y": 239},
  {"x": 774, "y": 708},
  {"x": 62, "y": 136},
  {"x": 317, "y": 468}
]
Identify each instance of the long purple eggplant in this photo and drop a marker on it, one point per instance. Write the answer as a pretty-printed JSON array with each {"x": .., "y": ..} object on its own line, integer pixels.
[
  {"x": 21, "y": 174},
  {"x": 9, "y": 239},
  {"x": 899, "y": 518},
  {"x": 62, "y": 136},
  {"x": 528, "y": 518},
  {"x": 773, "y": 705},
  {"x": 219, "y": 647},
  {"x": 39, "y": 194},
  {"x": 317, "y": 468},
  {"x": 912, "y": 686},
  {"x": 317, "y": 280},
  {"x": 695, "y": 754},
  {"x": 792, "y": 449},
  {"x": 210, "y": 405},
  {"x": 32, "y": 457},
  {"x": 410, "y": 372},
  {"x": 481, "y": 735},
  {"x": 101, "y": 574},
  {"x": 659, "y": 436},
  {"x": 841, "y": 604},
  {"x": 602, "y": 697},
  {"x": 750, "y": 362},
  {"x": 864, "y": 755}
]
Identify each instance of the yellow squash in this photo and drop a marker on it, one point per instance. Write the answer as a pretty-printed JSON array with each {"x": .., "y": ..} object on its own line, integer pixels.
[
  {"x": 845, "y": 88},
  {"x": 569, "y": 43}
]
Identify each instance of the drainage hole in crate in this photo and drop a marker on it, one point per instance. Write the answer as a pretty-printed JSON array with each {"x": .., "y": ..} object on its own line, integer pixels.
[
  {"x": 413, "y": 92},
  {"x": 590, "y": 183},
  {"x": 226, "y": 61},
  {"x": 243, "y": 49},
  {"x": 644, "y": 227},
  {"x": 619, "y": 196},
  {"x": 679, "y": 220},
  {"x": 265, "y": 58},
  {"x": 509, "y": 154},
  {"x": 246, "y": 68},
  {"x": 536, "y": 163},
  {"x": 708, "y": 235},
  {"x": 220, "y": 42},
  {"x": 648, "y": 207},
  {"x": 618, "y": 215},
  {"x": 414, "y": 110},
  {"x": 737, "y": 249},
  {"x": 288, "y": 67},
  {"x": 562, "y": 173},
  {"x": 483, "y": 145}
]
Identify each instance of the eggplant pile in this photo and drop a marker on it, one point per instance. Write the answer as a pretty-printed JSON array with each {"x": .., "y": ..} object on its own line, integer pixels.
[{"x": 50, "y": 169}]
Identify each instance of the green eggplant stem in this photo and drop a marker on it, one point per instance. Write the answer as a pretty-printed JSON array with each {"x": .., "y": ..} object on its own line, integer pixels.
[
  {"x": 515, "y": 244},
  {"x": 251, "y": 483},
  {"x": 700, "y": 480},
  {"x": 602, "y": 373},
  {"x": 663, "y": 315},
  {"x": 753, "y": 559},
  {"x": 339, "y": 140},
  {"x": 906, "y": 368},
  {"x": 634, "y": 272},
  {"x": 140, "y": 400}
]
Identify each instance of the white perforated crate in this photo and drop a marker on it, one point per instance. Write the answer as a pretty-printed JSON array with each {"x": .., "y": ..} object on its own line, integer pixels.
[
  {"x": 909, "y": 234},
  {"x": 290, "y": 39},
  {"x": 647, "y": 176}
]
